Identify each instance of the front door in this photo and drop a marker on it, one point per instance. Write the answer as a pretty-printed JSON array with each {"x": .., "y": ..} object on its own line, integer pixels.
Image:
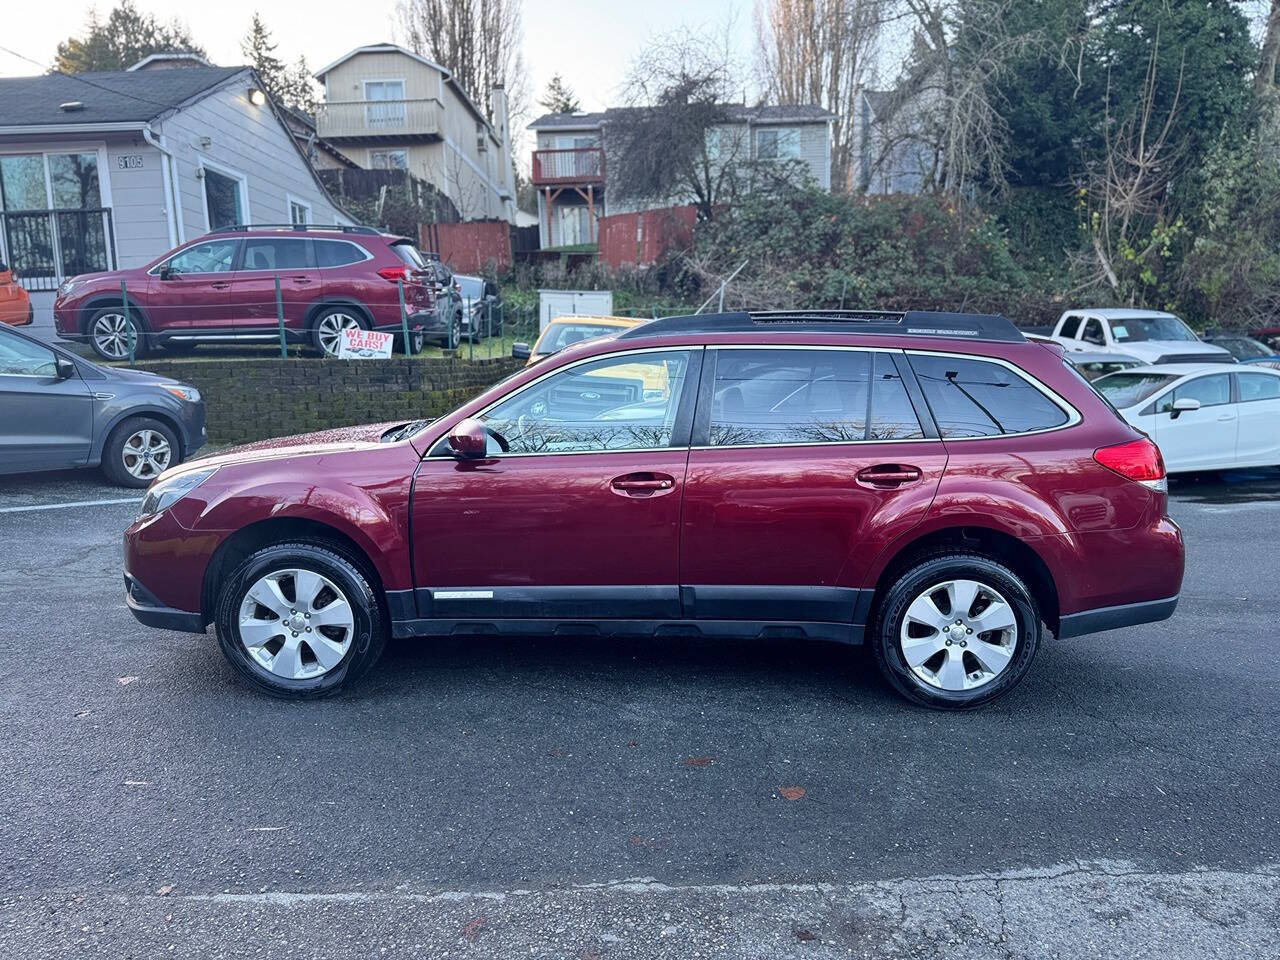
[
  {"x": 574, "y": 512},
  {"x": 191, "y": 289},
  {"x": 48, "y": 420},
  {"x": 805, "y": 462},
  {"x": 1203, "y": 439},
  {"x": 253, "y": 285}
]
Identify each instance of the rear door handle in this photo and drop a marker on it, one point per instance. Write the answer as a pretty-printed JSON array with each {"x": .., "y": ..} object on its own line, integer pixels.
[
  {"x": 300, "y": 279},
  {"x": 642, "y": 484},
  {"x": 220, "y": 284},
  {"x": 888, "y": 475}
]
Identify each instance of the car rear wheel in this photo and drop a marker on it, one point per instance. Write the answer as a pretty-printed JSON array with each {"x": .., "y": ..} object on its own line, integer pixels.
[
  {"x": 329, "y": 325},
  {"x": 139, "y": 450},
  {"x": 956, "y": 631},
  {"x": 454, "y": 336},
  {"x": 110, "y": 331},
  {"x": 299, "y": 621}
]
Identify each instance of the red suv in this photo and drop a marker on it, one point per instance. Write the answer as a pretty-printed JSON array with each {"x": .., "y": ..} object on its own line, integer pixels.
[
  {"x": 931, "y": 484},
  {"x": 222, "y": 287}
]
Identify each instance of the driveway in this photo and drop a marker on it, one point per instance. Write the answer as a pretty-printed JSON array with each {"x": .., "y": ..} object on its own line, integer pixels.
[{"x": 587, "y": 798}]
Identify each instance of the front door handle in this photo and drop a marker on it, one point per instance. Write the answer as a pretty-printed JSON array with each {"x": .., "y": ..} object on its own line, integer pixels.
[
  {"x": 642, "y": 484},
  {"x": 1226, "y": 416},
  {"x": 888, "y": 475},
  {"x": 220, "y": 284},
  {"x": 300, "y": 279}
]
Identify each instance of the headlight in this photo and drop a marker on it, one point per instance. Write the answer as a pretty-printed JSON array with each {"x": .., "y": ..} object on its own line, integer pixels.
[
  {"x": 167, "y": 491},
  {"x": 183, "y": 392},
  {"x": 67, "y": 286}
]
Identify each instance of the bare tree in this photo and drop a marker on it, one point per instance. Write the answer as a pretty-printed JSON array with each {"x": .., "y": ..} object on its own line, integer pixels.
[
  {"x": 1126, "y": 191},
  {"x": 818, "y": 52},
  {"x": 480, "y": 43},
  {"x": 1264, "y": 81},
  {"x": 676, "y": 140}
]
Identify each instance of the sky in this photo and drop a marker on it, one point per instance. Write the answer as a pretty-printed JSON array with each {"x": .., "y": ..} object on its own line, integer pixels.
[{"x": 589, "y": 43}]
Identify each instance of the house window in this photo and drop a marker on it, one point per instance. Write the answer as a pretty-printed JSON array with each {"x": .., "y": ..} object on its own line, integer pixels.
[
  {"x": 22, "y": 183},
  {"x": 223, "y": 200},
  {"x": 389, "y": 159},
  {"x": 55, "y": 225},
  {"x": 778, "y": 143},
  {"x": 385, "y": 106},
  {"x": 299, "y": 212},
  {"x": 73, "y": 179}
]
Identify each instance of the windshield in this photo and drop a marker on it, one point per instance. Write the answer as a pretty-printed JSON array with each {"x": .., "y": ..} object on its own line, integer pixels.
[
  {"x": 1130, "y": 389},
  {"x": 561, "y": 335},
  {"x": 1244, "y": 348},
  {"x": 472, "y": 287},
  {"x": 1131, "y": 329}
]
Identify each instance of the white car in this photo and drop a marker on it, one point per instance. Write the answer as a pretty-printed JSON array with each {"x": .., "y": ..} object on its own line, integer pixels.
[
  {"x": 1151, "y": 336},
  {"x": 1202, "y": 416}
]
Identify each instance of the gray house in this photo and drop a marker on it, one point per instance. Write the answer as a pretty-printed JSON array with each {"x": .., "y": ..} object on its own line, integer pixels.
[
  {"x": 109, "y": 170},
  {"x": 571, "y": 173}
]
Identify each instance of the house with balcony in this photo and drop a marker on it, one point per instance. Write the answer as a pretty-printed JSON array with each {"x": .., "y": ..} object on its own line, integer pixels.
[
  {"x": 570, "y": 169},
  {"x": 388, "y": 108},
  {"x": 110, "y": 170}
]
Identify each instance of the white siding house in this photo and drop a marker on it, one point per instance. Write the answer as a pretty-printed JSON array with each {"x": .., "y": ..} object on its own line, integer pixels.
[{"x": 111, "y": 170}]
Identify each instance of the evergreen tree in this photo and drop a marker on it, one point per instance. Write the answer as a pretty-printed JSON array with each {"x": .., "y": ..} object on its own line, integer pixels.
[
  {"x": 288, "y": 85},
  {"x": 126, "y": 37},
  {"x": 559, "y": 97}
]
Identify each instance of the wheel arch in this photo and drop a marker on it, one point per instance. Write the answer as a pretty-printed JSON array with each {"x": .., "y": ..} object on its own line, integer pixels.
[
  {"x": 92, "y": 306},
  {"x": 997, "y": 544},
  {"x": 253, "y": 537},
  {"x": 325, "y": 302},
  {"x": 155, "y": 413}
]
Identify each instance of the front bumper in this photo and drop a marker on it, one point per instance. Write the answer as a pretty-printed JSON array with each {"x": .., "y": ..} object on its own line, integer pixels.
[{"x": 150, "y": 612}]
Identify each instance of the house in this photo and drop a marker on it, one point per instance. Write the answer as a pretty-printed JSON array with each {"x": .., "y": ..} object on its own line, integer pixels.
[
  {"x": 571, "y": 173},
  {"x": 892, "y": 150},
  {"x": 386, "y": 107},
  {"x": 102, "y": 171},
  {"x": 319, "y": 152}
]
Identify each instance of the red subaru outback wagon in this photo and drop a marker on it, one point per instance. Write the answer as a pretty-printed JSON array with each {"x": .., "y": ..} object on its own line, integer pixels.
[
  {"x": 931, "y": 484},
  {"x": 222, "y": 287}
]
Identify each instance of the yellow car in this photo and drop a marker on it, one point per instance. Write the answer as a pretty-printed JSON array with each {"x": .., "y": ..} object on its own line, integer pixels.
[{"x": 567, "y": 330}]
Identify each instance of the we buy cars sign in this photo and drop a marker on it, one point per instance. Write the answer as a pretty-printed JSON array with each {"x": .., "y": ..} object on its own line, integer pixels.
[{"x": 363, "y": 344}]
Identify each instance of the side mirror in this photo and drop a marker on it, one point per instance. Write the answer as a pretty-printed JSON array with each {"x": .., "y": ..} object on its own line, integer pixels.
[
  {"x": 66, "y": 368},
  {"x": 520, "y": 351},
  {"x": 1184, "y": 405},
  {"x": 469, "y": 439},
  {"x": 166, "y": 273}
]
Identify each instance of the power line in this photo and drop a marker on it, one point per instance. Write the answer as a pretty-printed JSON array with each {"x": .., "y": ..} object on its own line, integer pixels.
[{"x": 99, "y": 86}]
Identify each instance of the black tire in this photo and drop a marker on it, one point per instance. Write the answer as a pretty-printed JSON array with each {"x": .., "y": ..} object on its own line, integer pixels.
[
  {"x": 417, "y": 341},
  {"x": 116, "y": 349},
  {"x": 887, "y": 624},
  {"x": 369, "y": 635},
  {"x": 453, "y": 337},
  {"x": 114, "y": 466},
  {"x": 320, "y": 325}
]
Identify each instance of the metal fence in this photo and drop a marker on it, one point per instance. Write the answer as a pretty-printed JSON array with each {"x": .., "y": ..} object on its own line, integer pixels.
[{"x": 43, "y": 247}]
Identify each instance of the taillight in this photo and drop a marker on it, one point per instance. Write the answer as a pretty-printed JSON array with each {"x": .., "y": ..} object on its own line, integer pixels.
[
  {"x": 397, "y": 273},
  {"x": 1138, "y": 460}
]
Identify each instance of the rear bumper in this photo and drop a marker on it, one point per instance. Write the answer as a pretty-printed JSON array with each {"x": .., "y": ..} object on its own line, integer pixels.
[
  {"x": 149, "y": 611},
  {"x": 1113, "y": 618}
]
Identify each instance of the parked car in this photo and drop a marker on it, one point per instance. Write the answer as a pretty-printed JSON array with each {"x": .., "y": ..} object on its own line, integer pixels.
[
  {"x": 1205, "y": 416},
  {"x": 1269, "y": 336},
  {"x": 1091, "y": 364},
  {"x": 222, "y": 287},
  {"x": 931, "y": 484},
  {"x": 1245, "y": 349},
  {"x": 567, "y": 330},
  {"x": 1151, "y": 336},
  {"x": 15, "y": 305},
  {"x": 481, "y": 306},
  {"x": 448, "y": 300},
  {"x": 61, "y": 411}
]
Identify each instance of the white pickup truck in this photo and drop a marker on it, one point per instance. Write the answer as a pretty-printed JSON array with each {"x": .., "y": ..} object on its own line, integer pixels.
[{"x": 1151, "y": 336}]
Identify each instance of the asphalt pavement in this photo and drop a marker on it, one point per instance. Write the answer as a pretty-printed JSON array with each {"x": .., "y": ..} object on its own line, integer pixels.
[{"x": 598, "y": 798}]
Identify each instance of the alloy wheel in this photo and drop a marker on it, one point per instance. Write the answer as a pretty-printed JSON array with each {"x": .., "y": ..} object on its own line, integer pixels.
[
  {"x": 296, "y": 624},
  {"x": 958, "y": 635},
  {"x": 146, "y": 454},
  {"x": 111, "y": 334},
  {"x": 330, "y": 328}
]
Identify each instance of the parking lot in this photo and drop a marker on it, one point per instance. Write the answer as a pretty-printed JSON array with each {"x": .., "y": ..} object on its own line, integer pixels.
[{"x": 590, "y": 799}]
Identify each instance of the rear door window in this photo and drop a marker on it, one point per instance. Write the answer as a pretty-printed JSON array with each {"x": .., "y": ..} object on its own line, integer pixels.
[
  {"x": 978, "y": 398},
  {"x": 770, "y": 397},
  {"x": 1070, "y": 326},
  {"x": 1258, "y": 386},
  {"x": 276, "y": 253}
]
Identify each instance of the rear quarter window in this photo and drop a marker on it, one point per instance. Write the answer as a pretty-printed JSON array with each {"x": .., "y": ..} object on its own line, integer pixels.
[{"x": 978, "y": 398}]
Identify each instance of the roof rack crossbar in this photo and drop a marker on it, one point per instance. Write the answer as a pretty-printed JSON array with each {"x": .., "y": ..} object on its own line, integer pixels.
[
  {"x": 916, "y": 323},
  {"x": 299, "y": 227}
]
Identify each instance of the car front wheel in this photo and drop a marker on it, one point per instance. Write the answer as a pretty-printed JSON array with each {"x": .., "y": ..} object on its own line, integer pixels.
[
  {"x": 139, "y": 450},
  {"x": 299, "y": 621},
  {"x": 956, "y": 631},
  {"x": 111, "y": 332}
]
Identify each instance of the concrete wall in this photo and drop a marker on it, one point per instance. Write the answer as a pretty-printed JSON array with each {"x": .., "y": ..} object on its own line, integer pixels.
[{"x": 251, "y": 400}]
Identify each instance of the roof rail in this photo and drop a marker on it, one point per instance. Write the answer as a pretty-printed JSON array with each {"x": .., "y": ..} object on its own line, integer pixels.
[
  {"x": 914, "y": 323},
  {"x": 299, "y": 227}
]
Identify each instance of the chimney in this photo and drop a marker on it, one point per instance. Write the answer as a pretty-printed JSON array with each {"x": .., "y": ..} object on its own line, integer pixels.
[{"x": 498, "y": 112}]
